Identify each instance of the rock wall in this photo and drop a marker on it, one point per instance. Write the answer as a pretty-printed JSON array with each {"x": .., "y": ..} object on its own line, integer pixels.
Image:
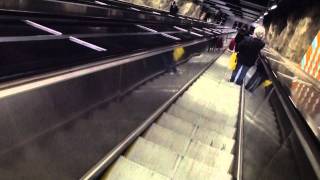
[
  {"x": 292, "y": 27},
  {"x": 186, "y": 7}
]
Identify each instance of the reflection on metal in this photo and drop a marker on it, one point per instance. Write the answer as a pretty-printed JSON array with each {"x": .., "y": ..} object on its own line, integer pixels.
[
  {"x": 101, "y": 3},
  {"x": 156, "y": 13},
  {"x": 43, "y": 28},
  {"x": 163, "y": 34},
  {"x": 135, "y": 9},
  {"x": 86, "y": 44},
  {"x": 264, "y": 102}
]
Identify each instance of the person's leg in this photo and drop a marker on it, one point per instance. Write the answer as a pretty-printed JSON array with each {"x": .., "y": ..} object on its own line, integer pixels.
[
  {"x": 234, "y": 73},
  {"x": 237, "y": 74},
  {"x": 241, "y": 75},
  {"x": 173, "y": 66}
]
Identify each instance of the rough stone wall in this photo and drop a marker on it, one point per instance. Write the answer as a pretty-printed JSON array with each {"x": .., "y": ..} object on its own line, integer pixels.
[
  {"x": 291, "y": 29},
  {"x": 186, "y": 7}
]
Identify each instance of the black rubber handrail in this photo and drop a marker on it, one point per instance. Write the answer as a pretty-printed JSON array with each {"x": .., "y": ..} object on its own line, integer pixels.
[{"x": 301, "y": 130}]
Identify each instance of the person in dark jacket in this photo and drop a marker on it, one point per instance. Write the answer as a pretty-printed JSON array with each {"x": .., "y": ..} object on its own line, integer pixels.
[
  {"x": 243, "y": 32},
  {"x": 249, "y": 49},
  {"x": 174, "y": 8}
]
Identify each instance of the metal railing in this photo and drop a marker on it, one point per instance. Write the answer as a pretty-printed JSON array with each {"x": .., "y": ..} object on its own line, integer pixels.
[
  {"x": 298, "y": 124},
  {"x": 240, "y": 133}
]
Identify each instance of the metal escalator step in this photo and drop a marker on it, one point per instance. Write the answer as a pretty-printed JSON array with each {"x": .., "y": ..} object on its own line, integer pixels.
[
  {"x": 176, "y": 124},
  {"x": 204, "y": 111},
  {"x": 200, "y": 121},
  {"x": 167, "y": 138},
  {"x": 199, "y": 107},
  {"x": 210, "y": 156},
  {"x": 214, "y": 139},
  {"x": 203, "y": 135},
  {"x": 190, "y": 169},
  {"x": 124, "y": 169},
  {"x": 153, "y": 156}
]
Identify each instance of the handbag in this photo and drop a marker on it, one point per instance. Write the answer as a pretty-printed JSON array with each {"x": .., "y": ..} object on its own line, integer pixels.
[{"x": 233, "y": 61}]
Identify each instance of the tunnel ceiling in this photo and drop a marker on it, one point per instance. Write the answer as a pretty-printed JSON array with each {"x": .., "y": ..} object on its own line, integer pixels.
[{"x": 250, "y": 10}]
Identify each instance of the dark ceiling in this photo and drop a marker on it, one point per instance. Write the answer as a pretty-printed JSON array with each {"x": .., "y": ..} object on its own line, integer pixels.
[{"x": 250, "y": 10}]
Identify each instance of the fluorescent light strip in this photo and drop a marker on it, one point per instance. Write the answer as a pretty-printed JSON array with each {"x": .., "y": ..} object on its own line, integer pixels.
[
  {"x": 146, "y": 28},
  {"x": 135, "y": 9},
  {"x": 208, "y": 33},
  {"x": 169, "y": 36},
  {"x": 43, "y": 28},
  {"x": 71, "y": 38},
  {"x": 206, "y": 29},
  {"x": 152, "y": 30},
  {"x": 197, "y": 29},
  {"x": 196, "y": 34},
  {"x": 181, "y": 17},
  {"x": 170, "y": 15},
  {"x": 86, "y": 44},
  {"x": 180, "y": 29},
  {"x": 101, "y": 3},
  {"x": 156, "y": 13}
]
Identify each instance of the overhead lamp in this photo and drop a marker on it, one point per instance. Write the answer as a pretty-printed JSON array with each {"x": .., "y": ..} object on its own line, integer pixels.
[
  {"x": 273, "y": 7},
  {"x": 266, "y": 13}
]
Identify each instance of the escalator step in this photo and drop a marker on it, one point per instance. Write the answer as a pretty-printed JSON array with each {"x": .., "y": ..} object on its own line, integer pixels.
[
  {"x": 200, "y": 121},
  {"x": 190, "y": 169},
  {"x": 210, "y": 156},
  {"x": 192, "y": 105},
  {"x": 203, "y": 135},
  {"x": 214, "y": 139},
  {"x": 125, "y": 169},
  {"x": 167, "y": 138},
  {"x": 177, "y": 125},
  {"x": 153, "y": 156}
]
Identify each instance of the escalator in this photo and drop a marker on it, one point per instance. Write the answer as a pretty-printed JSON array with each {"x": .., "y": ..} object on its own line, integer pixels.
[{"x": 195, "y": 138}]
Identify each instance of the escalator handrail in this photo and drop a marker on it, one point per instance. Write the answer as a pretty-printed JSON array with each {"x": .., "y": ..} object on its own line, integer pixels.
[
  {"x": 305, "y": 138},
  {"x": 240, "y": 134}
]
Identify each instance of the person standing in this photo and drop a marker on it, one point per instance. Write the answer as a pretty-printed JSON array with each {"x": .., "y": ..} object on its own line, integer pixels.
[
  {"x": 174, "y": 8},
  {"x": 248, "y": 51},
  {"x": 243, "y": 32}
]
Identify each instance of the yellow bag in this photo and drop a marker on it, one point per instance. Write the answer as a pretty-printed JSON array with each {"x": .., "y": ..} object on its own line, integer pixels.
[
  {"x": 266, "y": 83},
  {"x": 233, "y": 61},
  {"x": 178, "y": 53}
]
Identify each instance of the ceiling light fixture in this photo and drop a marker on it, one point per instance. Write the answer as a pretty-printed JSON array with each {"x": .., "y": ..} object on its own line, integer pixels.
[
  {"x": 266, "y": 13},
  {"x": 273, "y": 7}
]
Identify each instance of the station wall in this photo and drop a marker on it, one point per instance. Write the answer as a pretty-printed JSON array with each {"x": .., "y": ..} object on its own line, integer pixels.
[
  {"x": 186, "y": 7},
  {"x": 292, "y": 27}
]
